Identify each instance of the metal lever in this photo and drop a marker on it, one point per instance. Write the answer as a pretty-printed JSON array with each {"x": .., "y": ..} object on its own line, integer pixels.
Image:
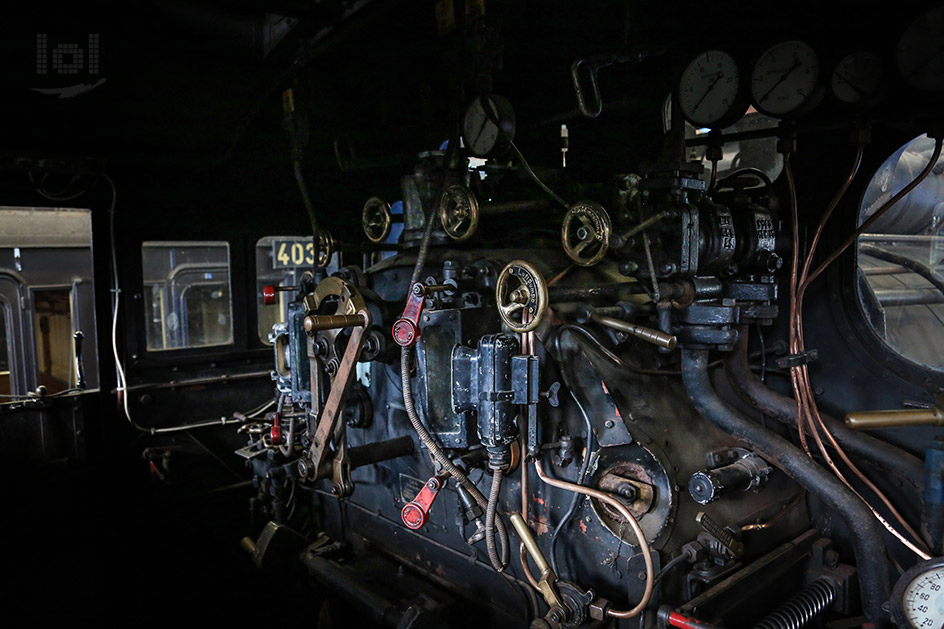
[
  {"x": 406, "y": 330},
  {"x": 316, "y": 323},
  {"x": 594, "y": 64},
  {"x": 547, "y": 578},
  {"x": 869, "y": 420},
  {"x": 268, "y": 293},
  {"x": 415, "y": 514},
  {"x": 656, "y": 337},
  {"x": 334, "y": 406},
  {"x": 727, "y": 540}
]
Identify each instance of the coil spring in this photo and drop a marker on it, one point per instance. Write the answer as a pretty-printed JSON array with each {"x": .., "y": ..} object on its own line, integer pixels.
[{"x": 802, "y": 608}]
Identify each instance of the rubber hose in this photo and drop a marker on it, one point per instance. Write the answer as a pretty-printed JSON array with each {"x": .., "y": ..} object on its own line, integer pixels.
[
  {"x": 783, "y": 409},
  {"x": 490, "y": 512},
  {"x": 867, "y": 534}
]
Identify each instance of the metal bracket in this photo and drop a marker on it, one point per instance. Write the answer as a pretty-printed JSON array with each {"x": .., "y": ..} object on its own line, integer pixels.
[{"x": 798, "y": 360}]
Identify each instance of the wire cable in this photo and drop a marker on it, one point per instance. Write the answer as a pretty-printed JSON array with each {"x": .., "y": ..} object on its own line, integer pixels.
[{"x": 581, "y": 477}]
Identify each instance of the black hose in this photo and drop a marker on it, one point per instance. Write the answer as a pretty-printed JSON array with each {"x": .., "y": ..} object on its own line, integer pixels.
[
  {"x": 490, "y": 511},
  {"x": 879, "y": 454},
  {"x": 581, "y": 475},
  {"x": 865, "y": 529}
]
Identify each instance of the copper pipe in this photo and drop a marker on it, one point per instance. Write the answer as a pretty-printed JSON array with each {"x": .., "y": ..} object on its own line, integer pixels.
[{"x": 623, "y": 511}]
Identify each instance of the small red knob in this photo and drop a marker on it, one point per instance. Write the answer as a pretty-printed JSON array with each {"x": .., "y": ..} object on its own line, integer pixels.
[
  {"x": 268, "y": 295},
  {"x": 414, "y": 516},
  {"x": 405, "y": 332},
  {"x": 275, "y": 435}
]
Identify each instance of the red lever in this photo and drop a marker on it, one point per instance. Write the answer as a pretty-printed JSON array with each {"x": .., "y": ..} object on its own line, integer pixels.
[
  {"x": 268, "y": 295},
  {"x": 406, "y": 330},
  {"x": 415, "y": 514},
  {"x": 275, "y": 434}
]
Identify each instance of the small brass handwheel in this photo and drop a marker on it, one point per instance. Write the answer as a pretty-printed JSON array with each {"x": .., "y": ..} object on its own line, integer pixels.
[
  {"x": 326, "y": 247},
  {"x": 585, "y": 234},
  {"x": 376, "y": 219},
  {"x": 459, "y": 213},
  {"x": 521, "y": 288}
]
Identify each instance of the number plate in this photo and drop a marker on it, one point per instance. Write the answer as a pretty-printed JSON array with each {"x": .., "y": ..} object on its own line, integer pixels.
[{"x": 289, "y": 253}]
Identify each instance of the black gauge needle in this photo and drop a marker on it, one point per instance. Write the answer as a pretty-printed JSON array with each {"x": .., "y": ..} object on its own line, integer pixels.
[
  {"x": 860, "y": 91},
  {"x": 718, "y": 77},
  {"x": 782, "y": 79}
]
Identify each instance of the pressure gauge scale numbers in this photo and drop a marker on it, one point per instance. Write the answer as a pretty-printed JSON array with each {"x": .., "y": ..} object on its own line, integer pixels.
[
  {"x": 918, "y": 597},
  {"x": 785, "y": 79},
  {"x": 709, "y": 90}
]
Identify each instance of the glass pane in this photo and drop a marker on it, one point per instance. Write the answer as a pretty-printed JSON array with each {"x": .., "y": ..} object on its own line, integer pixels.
[
  {"x": 901, "y": 257},
  {"x": 281, "y": 261},
  {"x": 52, "y": 322},
  {"x": 186, "y": 294}
]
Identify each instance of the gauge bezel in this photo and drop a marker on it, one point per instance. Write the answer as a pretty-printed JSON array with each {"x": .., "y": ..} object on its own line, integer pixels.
[
  {"x": 898, "y": 592},
  {"x": 870, "y": 99},
  {"x": 909, "y": 37},
  {"x": 736, "y": 109},
  {"x": 816, "y": 89},
  {"x": 506, "y": 119}
]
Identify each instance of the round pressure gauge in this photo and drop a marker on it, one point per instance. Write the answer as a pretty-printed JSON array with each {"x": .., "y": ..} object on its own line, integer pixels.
[
  {"x": 784, "y": 81},
  {"x": 483, "y": 123},
  {"x": 918, "y": 597},
  {"x": 709, "y": 91},
  {"x": 858, "y": 78},
  {"x": 921, "y": 52}
]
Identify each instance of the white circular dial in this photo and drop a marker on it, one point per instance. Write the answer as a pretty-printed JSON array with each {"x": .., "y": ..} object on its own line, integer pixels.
[
  {"x": 784, "y": 78},
  {"x": 708, "y": 88},
  {"x": 921, "y": 52},
  {"x": 923, "y": 599},
  {"x": 479, "y": 129},
  {"x": 857, "y": 77}
]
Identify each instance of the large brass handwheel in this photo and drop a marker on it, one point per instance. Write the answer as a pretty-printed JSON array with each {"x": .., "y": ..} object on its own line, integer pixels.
[
  {"x": 376, "y": 219},
  {"x": 459, "y": 213},
  {"x": 585, "y": 233},
  {"x": 521, "y": 296}
]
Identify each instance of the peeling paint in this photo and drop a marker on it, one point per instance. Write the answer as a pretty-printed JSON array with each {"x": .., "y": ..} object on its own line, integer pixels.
[{"x": 583, "y": 527}]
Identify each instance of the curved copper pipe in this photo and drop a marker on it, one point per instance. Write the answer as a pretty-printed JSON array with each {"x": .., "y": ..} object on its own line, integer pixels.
[{"x": 623, "y": 511}]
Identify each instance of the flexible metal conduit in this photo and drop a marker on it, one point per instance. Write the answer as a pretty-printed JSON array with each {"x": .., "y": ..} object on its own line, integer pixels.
[
  {"x": 883, "y": 456},
  {"x": 866, "y": 532}
]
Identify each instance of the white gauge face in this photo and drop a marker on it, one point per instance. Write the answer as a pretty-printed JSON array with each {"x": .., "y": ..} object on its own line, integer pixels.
[
  {"x": 857, "y": 77},
  {"x": 923, "y": 600},
  {"x": 708, "y": 88},
  {"x": 479, "y": 130},
  {"x": 921, "y": 52},
  {"x": 784, "y": 78}
]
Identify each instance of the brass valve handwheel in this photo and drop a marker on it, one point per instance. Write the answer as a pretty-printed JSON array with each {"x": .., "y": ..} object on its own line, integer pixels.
[
  {"x": 585, "y": 234},
  {"x": 376, "y": 219},
  {"x": 459, "y": 213},
  {"x": 326, "y": 246},
  {"x": 521, "y": 287}
]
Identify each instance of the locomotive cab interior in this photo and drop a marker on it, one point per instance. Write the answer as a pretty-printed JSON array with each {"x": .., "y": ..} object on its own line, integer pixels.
[{"x": 468, "y": 313}]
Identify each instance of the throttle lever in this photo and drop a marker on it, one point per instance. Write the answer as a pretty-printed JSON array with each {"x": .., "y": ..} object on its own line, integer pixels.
[
  {"x": 416, "y": 513},
  {"x": 406, "y": 330}
]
